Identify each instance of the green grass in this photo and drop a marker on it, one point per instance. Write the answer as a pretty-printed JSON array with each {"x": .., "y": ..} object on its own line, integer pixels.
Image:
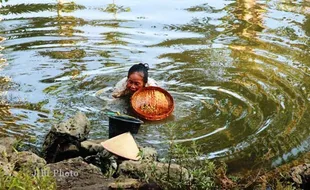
[
  {"x": 25, "y": 180},
  {"x": 202, "y": 172}
]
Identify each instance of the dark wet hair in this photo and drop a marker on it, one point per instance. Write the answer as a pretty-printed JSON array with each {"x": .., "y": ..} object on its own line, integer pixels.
[{"x": 141, "y": 68}]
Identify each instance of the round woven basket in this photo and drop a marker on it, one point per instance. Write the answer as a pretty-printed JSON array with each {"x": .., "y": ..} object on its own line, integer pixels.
[{"x": 152, "y": 103}]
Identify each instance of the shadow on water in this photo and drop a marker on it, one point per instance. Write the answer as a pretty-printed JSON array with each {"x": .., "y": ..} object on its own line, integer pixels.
[{"x": 238, "y": 71}]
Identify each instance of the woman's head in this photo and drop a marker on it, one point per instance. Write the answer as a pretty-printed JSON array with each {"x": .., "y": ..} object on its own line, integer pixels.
[{"x": 137, "y": 77}]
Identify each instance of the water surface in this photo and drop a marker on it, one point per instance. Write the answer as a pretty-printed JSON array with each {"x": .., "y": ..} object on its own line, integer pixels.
[{"x": 238, "y": 70}]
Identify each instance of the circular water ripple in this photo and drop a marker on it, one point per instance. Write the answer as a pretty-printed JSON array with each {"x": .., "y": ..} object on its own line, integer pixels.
[{"x": 250, "y": 110}]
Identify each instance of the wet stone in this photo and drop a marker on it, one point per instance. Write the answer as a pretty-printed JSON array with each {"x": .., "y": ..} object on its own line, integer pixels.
[
  {"x": 8, "y": 143},
  {"x": 28, "y": 160},
  {"x": 134, "y": 168},
  {"x": 301, "y": 174},
  {"x": 64, "y": 140},
  {"x": 76, "y": 174},
  {"x": 149, "y": 153}
]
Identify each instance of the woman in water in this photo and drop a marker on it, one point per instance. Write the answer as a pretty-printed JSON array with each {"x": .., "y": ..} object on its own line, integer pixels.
[{"x": 137, "y": 78}]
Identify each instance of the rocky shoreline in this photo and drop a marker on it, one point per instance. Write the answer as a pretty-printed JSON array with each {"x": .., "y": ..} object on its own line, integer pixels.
[{"x": 78, "y": 163}]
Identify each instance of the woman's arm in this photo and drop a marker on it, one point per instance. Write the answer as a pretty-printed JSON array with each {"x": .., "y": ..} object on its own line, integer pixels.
[{"x": 120, "y": 88}]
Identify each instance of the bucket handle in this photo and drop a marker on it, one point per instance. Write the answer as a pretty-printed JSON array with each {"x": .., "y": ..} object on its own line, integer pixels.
[{"x": 110, "y": 113}]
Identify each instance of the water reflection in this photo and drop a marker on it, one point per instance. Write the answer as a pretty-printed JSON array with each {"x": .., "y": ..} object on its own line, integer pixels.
[
  {"x": 66, "y": 24},
  {"x": 4, "y": 83},
  {"x": 114, "y": 8},
  {"x": 12, "y": 108},
  {"x": 280, "y": 85},
  {"x": 257, "y": 68},
  {"x": 239, "y": 71}
]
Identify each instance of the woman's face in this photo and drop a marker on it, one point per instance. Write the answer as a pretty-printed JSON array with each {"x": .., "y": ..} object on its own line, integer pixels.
[{"x": 135, "y": 82}]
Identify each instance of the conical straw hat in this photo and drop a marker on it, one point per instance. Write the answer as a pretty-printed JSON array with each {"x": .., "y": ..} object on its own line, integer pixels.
[{"x": 122, "y": 145}]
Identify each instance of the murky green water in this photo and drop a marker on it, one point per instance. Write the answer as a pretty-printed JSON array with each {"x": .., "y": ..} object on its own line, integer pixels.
[{"x": 238, "y": 70}]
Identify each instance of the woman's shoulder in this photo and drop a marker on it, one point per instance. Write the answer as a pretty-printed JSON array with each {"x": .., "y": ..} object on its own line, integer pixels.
[
  {"x": 119, "y": 88},
  {"x": 122, "y": 82},
  {"x": 151, "y": 82}
]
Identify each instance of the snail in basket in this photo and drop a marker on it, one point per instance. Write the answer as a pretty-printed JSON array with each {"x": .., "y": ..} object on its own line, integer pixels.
[
  {"x": 147, "y": 108},
  {"x": 152, "y": 103}
]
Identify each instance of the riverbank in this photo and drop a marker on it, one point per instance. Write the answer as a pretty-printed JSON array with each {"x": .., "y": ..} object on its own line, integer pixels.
[{"x": 71, "y": 161}]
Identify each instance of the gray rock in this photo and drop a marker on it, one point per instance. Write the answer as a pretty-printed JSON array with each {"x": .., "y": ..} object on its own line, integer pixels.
[
  {"x": 148, "y": 153},
  {"x": 3, "y": 154},
  {"x": 77, "y": 174},
  {"x": 95, "y": 154},
  {"x": 64, "y": 140},
  {"x": 92, "y": 146},
  {"x": 8, "y": 143},
  {"x": 106, "y": 163},
  {"x": 27, "y": 160},
  {"x": 125, "y": 183},
  {"x": 300, "y": 174},
  {"x": 6, "y": 167},
  {"x": 78, "y": 126},
  {"x": 91, "y": 187},
  {"x": 58, "y": 147},
  {"x": 153, "y": 170},
  {"x": 6, "y": 149}
]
